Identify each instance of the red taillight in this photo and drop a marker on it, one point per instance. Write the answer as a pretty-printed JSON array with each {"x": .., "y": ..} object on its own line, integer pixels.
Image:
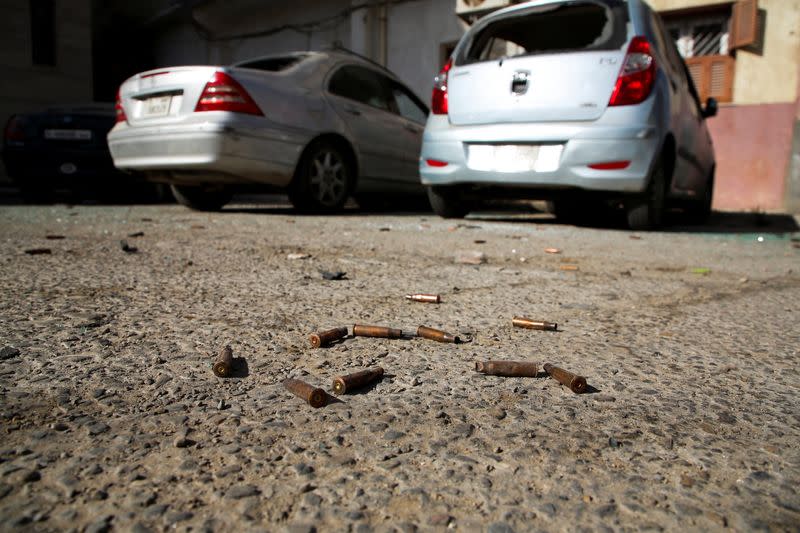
[
  {"x": 15, "y": 129},
  {"x": 439, "y": 98},
  {"x": 638, "y": 73},
  {"x": 223, "y": 93},
  {"x": 121, "y": 117},
  {"x": 436, "y": 163},
  {"x": 610, "y": 165}
]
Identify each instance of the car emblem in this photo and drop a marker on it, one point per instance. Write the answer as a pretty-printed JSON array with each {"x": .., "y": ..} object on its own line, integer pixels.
[{"x": 519, "y": 83}]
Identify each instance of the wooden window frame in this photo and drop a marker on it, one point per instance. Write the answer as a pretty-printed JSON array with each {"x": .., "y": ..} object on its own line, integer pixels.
[{"x": 706, "y": 65}]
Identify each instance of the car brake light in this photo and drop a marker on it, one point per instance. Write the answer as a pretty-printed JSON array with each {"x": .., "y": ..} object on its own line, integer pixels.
[
  {"x": 439, "y": 98},
  {"x": 15, "y": 129},
  {"x": 223, "y": 93},
  {"x": 635, "y": 80},
  {"x": 436, "y": 163},
  {"x": 121, "y": 117},
  {"x": 610, "y": 165}
]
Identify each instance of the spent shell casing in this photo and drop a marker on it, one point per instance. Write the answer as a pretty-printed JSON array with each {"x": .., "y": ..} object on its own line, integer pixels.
[
  {"x": 576, "y": 383},
  {"x": 508, "y": 368},
  {"x": 315, "y": 396},
  {"x": 324, "y": 338},
  {"x": 522, "y": 322},
  {"x": 425, "y": 298},
  {"x": 377, "y": 331},
  {"x": 345, "y": 384},
  {"x": 223, "y": 365},
  {"x": 437, "y": 335}
]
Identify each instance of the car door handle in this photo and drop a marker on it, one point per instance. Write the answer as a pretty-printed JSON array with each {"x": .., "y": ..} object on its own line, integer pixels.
[{"x": 353, "y": 111}]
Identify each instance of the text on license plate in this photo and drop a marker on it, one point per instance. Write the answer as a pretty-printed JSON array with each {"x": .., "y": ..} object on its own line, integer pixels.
[
  {"x": 157, "y": 106},
  {"x": 514, "y": 157},
  {"x": 68, "y": 135}
]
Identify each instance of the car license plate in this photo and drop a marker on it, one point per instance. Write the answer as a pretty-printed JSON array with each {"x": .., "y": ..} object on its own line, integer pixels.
[
  {"x": 68, "y": 135},
  {"x": 514, "y": 157},
  {"x": 157, "y": 106}
]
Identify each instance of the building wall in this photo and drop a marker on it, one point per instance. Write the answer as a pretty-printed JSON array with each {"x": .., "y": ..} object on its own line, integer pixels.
[{"x": 29, "y": 87}]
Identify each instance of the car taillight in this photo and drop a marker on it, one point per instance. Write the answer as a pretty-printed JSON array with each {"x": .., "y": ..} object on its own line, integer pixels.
[
  {"x": 15, "y": 129},
  {"x": 439, "y": 98},
  {"x": 223, "y": 93},
  {"x": 635, "y": 81},
  {"x": 121, "y": 117}
]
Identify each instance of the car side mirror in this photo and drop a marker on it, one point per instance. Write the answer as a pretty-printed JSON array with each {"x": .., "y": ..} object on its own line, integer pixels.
[{"x": 711, "y": 108}]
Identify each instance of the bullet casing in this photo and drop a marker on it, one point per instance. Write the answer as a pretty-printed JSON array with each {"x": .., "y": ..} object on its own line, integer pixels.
[
  {"x": 377, "y": 331},
  {"x": 522, "y": 322},
  {"x": 315, "y": 396},
  {"x": 345, "y": 384},
  {"x": 508, "y": 368},
  {"x": 437, "y": 335},
  {"x": 576, "y": 383},
  {"x": 223, "y": 365},
  {"x": 425, "y": 298},
  {"x": 324, "y": 338}
]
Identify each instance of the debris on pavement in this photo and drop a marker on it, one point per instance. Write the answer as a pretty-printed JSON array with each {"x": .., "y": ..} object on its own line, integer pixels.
[
  {"x": 333, "y": 276},
  {"x": 470, "y": 257},
  {"x": 570, "y": 268},
  {"x": 136, "y": 234},
  {"x": 324, "y": 338},
  {"x": 376, "y": 331},
  {"x": 345, "y": 384},
  {"x": 523, "y": 322},
  {"x": 508, "y": 368},
  {"x": 576, "y": 383},
  {"x": 315, "y": 396},
  {"x": 552, "y": 251},
  {"x": 437, "y": 335},
  {"x": 425, "y": 298},
  {"x": 295, "y": 256},
  {"x": 54, "y": 237},
  {"x": 127, "y": 248},
  {"x": 701, "y": 270},
  {"x": 223, "y": 365},
  {"x": 38, "y": 251}
]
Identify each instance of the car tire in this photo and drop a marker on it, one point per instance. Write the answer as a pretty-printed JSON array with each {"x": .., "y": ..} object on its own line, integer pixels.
[
  {"x": 646, "y": 212},
  {"x": 323, "y": 181},
  {"x": 447, "y": 202},
  {"x": 699, "y": 210},
  {"x": 201, "y": 198}
]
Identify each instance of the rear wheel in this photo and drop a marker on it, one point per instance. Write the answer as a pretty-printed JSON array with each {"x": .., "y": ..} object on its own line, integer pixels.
[
  {"x": 201, "y": 198},
  {"x": 323, "y": 181},
  {"x": 646, "y": 212},
  {"x": 447, "y": 202},
  {"x": 699, "y": 210}
]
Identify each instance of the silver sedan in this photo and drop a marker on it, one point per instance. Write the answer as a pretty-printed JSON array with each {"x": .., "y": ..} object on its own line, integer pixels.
[{"x": 319, "y": 125}]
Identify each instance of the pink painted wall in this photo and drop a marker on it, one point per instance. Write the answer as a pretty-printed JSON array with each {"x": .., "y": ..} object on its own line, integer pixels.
[{"x": 752, "y": 144}]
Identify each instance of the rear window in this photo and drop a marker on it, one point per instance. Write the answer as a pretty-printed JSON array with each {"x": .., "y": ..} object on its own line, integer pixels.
[
  {"x": 556, "y": 28},
  {"x": 272, "y": 64}
]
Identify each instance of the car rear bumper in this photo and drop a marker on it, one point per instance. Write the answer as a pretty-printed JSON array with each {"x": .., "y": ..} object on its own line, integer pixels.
[
  {"x": 211, "y": 152},
  {"x": 583, "y": 144}
]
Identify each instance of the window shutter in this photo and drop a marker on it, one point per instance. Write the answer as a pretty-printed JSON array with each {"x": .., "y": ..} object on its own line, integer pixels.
[
  {"x": 744, "y": 24},
  {"x": 712, "y": 76}
]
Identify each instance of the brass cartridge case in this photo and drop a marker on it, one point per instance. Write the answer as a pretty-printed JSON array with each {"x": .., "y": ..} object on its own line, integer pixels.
[
  {"x": 345, "y": 384},
  {"x": 425, "y": 298},
  {"x": 376, "y": 331},
  {"x": 437, "y": 335},
  {"x": 522, "y": 322},
  {"x": 508, "y": 368},
  {"x": 324, "y": 338},
  {"x": 315, "y": 396},
  {"x": 223, "y": 365},
  {"x": 576, "y": 383}
]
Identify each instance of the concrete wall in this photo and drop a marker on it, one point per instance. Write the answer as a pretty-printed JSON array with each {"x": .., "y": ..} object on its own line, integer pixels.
[{"x": 29, "y": 87}]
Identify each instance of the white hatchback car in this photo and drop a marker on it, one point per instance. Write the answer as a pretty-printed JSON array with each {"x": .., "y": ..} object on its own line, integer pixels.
[
  {"x": 570, "y": 101},
  {"x": 321, "y": 125}
]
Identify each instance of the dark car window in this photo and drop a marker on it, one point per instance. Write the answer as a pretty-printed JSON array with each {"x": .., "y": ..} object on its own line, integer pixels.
[
  {"x": 360, "y": 84},
  {"x": 272, "y": 64},
  {"x": 564, "y": 27},
  {"x": 408, "y": 105}
]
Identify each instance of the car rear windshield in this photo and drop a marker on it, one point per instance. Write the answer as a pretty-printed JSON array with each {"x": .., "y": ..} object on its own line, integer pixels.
[
  {"x": 553, "y": 28},
  {"x": 272, "y": 64}
]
